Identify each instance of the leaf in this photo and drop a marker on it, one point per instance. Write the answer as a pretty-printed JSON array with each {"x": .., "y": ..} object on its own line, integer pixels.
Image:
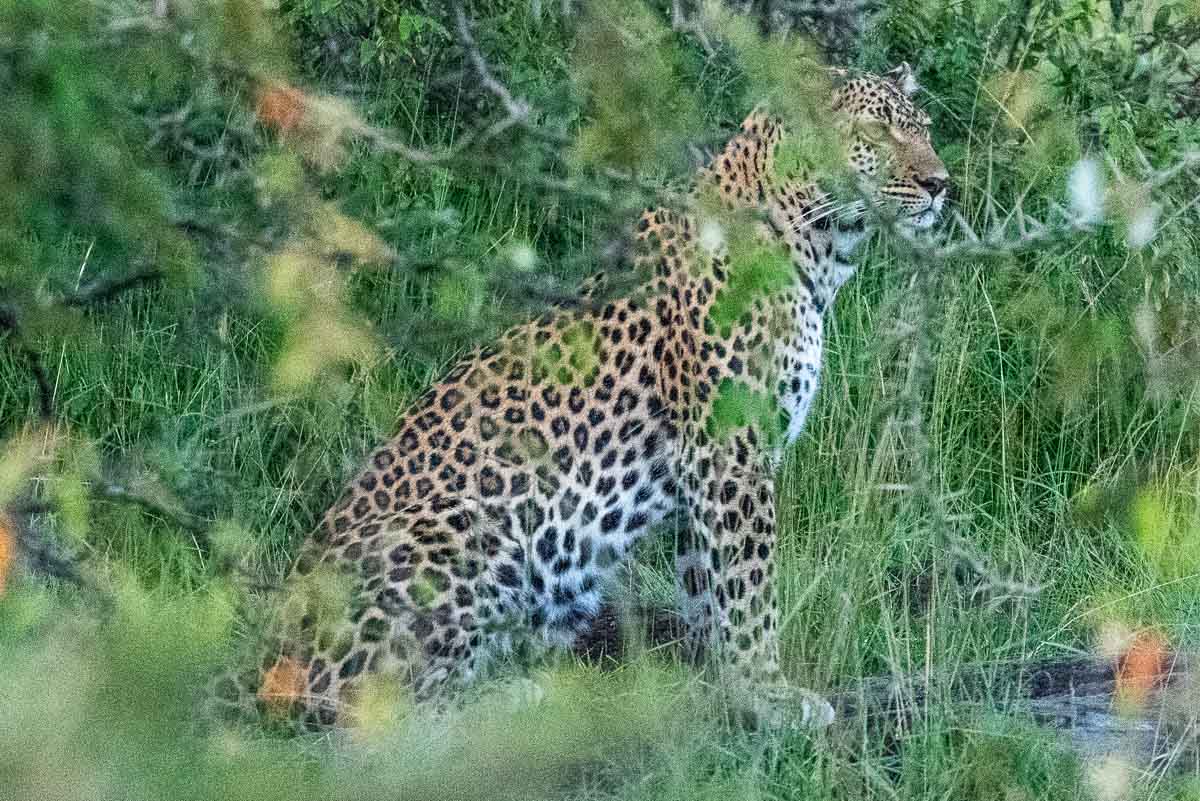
[
  {"x": 626, "y": 64},
  {"x": 1086, "y": 189},
  {"x": 319, "y": 342},
  {"x": 736, "y": 407},
  {"x": 1019, "y": 93},
  {"x": 1151, "y": 525},
  {"x": 281, "y": 107},
  {"x": 460, "y": 294},
  {"x": 1162, "y": 20},
  {"x": 1141, "y": 668},
  {"x": 344, "y": 236},
  {"x": 20, "y": 458},
  {"x": 282, "y": 685},
  {"x": 8, "y": 550},
  {"x": 1143, "y": 225},
  {"x": 756, "y": 272}
]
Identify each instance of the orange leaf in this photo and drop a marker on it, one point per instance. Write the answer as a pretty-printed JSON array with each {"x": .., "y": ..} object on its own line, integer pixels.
[
  {"x": 8, "y": 550},
  {"x": 1141, "y": 667},
  {"x": 281, "y": 107},
  {"x": 282, "y": 684}
]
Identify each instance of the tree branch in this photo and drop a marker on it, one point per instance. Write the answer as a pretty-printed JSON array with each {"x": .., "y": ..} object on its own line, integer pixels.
[
  {"x": 41, "y": 557},
  {"x": 120, "y": 493},
  {"x": 517, "y": 114},
  {"x": 10, "y": 323},
  {"x": 518, "y": 110},
  {"x": 104, "y": 289}
]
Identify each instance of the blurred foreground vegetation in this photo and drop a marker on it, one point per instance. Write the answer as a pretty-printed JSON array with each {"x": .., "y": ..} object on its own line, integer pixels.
[{"x": 237, "y": 241}]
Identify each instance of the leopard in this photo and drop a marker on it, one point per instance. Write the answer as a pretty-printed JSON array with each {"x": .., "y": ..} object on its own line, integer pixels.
[{"x": 518, "y": 486}]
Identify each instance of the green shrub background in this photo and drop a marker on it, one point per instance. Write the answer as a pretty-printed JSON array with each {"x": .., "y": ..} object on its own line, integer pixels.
[{"x": 210, "y": 311}]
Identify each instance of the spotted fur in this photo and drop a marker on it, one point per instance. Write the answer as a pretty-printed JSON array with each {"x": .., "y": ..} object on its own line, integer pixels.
[{"x": 518, "y": 484}]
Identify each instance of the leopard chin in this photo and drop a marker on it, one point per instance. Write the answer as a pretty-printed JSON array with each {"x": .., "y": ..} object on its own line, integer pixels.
[{"x": 923, "y": 220}]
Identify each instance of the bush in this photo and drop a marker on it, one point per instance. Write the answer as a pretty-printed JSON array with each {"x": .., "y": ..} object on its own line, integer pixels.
[{"x": 236, "y": 243}]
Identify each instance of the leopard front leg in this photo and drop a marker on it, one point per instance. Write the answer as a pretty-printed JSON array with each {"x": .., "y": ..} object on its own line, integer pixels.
[{"x": 725, "y": 567}]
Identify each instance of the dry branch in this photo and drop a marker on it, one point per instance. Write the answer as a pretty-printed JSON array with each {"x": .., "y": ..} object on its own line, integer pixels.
[
  {"x": 105, "y": 289},
  {"x": 10, "y": 323},
  {"x": 1077, "y": 695}
]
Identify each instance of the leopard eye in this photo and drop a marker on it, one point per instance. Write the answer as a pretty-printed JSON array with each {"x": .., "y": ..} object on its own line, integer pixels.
[{"x": 874, "y": 130}]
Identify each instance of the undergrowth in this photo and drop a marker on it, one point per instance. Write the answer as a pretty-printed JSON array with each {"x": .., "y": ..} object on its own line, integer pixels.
[{"x": 1048, "y": 502}]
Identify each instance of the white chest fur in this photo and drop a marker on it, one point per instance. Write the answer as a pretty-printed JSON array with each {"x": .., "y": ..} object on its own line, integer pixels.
[{"x": 799, "y": 356}]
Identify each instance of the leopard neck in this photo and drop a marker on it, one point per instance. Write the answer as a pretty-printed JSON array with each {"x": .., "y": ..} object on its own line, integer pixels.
[
  {"x": 820, "y": 244},
  {"x": 800, "y": 214}
]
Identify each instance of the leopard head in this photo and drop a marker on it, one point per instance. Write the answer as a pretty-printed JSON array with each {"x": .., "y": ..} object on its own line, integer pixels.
[{"x": 888, "y": 143}]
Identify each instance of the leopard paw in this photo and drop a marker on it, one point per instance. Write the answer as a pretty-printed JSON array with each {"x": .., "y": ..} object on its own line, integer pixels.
[{"x": 781, "y": 707}]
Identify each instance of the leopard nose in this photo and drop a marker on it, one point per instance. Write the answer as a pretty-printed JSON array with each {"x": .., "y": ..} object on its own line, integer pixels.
[{"x": 934, "y": 185}]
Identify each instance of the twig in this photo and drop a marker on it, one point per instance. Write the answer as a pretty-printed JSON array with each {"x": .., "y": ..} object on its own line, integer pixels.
[
  {"x": 97, "y": 291},
  {"x": 151, "y": 23},
  {"x": 518, "y": 112},
  {"x": 1033, "y": 233},
  {"x": 112, "y": 491},
  {"x": 105, "y": 289},
  {"x": 681, "y": 23},
  {"x": 9, "y": 322},
  {"x": 908, "y": 414},
  {"x": 41, "y": 557}
]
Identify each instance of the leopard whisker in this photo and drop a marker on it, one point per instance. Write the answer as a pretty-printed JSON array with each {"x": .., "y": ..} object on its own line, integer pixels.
[{"x": 819, "y": 212}]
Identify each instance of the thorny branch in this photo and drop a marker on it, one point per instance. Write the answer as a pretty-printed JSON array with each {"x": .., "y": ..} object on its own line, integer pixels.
[
  {"x": 10, "y": 323},
  {"x": 47, "y": 559},
  {"x": 104, "y": 289},
  {"x": 518, "y": 112},
  {"x": 38, "y": 554},
  {"x": 94, "y": 292},
  {"x": 907, "y": 416},
  {"x": 681, "y": 22},
  {"x": 122, "y": 493}
]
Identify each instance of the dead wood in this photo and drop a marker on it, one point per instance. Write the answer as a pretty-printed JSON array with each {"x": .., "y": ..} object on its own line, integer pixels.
[{"x": 1099, "y": 705}]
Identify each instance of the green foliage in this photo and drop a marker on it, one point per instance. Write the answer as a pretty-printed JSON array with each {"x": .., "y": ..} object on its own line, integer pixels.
[
  {"x": 755, "y": 271},
  {"x": 137, "y": 673},
  {"x": 1163, "y": 522},
  {"x": 736, "y": 406},
  {"x": 1004, "y": 760},
  {"x": 313, "y": 282},
  {"x": 627, "y": 65},
  {"x": 69, "y": 163},
  {"x": 781, "y": 74},
  {"x": 361, "y": 34}
]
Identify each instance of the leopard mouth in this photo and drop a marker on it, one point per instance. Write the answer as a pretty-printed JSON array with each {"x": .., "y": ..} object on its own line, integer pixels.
[{"x": 927, "y": 217}]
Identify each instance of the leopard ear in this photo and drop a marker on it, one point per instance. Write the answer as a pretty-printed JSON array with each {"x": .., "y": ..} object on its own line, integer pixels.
[{"x": 904, "y": 78}]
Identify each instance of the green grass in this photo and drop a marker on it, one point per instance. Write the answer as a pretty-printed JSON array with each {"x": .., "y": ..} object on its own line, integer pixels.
[{"x": 1038, "y": 448}]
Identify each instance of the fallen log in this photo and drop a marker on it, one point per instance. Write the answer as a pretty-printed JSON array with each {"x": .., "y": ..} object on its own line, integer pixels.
[{"x": 1148, "y": 711}]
